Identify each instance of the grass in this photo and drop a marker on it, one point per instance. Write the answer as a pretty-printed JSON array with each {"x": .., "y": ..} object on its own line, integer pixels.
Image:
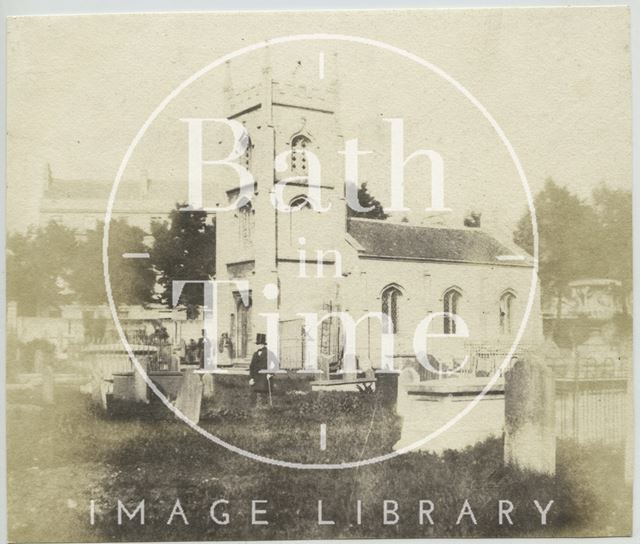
[{"x": 62, "y": 457}]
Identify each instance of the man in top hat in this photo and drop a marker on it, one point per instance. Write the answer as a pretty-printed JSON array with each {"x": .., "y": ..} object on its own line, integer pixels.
[{"x": 259, "y": 381}]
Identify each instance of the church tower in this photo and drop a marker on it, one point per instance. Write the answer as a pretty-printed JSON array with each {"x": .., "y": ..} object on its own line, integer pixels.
[{"x": 290, "y": 113}]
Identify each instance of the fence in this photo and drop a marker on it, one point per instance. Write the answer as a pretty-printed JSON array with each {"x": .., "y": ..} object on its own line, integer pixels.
[
  {"x": 561, "y": 395},
  {"x": 591, "y": 410},
  {"x": 293, "y": 338},
  {"x": 485, "y": 359},
  {"x": 591, "y": 399},
  {"x": 292, "y": 344}
]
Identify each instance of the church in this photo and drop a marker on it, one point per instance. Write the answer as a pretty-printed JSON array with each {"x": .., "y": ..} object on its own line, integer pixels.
[{"x": 327, "y": 261}]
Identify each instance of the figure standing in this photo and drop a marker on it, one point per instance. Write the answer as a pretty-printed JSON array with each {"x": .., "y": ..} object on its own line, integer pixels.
[
  {"x": 225, "y": 350},
  {"x": 260, "y": 381},
  {"x": 204, "y": 348}
]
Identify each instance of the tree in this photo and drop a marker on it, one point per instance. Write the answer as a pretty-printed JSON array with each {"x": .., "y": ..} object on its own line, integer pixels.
[
  {"x": 183, "y": 249},
  {"x": 367, "y": 200},
  {"x": 132, "y": 280},
  {"x": 566, "y": 229},
  {"x": 39, "y": 265},
  {"x": 613, "y": 258}
]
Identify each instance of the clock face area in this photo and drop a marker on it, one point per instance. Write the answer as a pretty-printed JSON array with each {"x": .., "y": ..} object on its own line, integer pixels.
[{"x": 272, "y": 144}]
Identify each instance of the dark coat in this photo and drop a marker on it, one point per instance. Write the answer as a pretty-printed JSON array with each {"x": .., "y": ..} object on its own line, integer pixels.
[{"x": 259, "y": 362}]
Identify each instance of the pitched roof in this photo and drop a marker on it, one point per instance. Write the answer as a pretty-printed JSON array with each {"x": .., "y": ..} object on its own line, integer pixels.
[
  {"x": 388, "y": 240},
  {"x": 158, "y": 196}
]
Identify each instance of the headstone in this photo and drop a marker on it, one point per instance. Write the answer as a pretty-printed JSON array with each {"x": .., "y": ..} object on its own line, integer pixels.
[
  {"x": 47, "y": 385},
  {"x": 207, "y": 386},
  {"x": 96, "y": 384},
  {"x": 530, "y": 423},
  {"x": 104, "y": 387},
  {"x": 323, "y": 365},
  {"x": 130, "y": 386},
  {"x": 387, "y": 388},
  {"x": 140, "y": 392},
  {"x": 175, "y": 363},
  {"x": 190, "y": 397},
  {"x": 12, "y": 316},
  {"x": 38, "y": 360}
]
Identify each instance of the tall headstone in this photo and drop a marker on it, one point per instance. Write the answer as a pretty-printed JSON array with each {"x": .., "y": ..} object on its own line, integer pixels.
[
  {"x": 47, "y": 385},
  {"x": 207, "y": 386},
  {"x": 12, "y": 316},
  {"x": 387, "y": 388},
  {"x": 140, "y": 391},
  {"x": 530, "y": 422},
  {"x": 189, "y": 398},
  {"x": 39, "y": 360},
  {"x": 323, "y": 365}
]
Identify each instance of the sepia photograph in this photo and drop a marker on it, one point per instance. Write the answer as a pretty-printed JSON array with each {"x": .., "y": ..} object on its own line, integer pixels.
[{"x": 319, "y": 275}]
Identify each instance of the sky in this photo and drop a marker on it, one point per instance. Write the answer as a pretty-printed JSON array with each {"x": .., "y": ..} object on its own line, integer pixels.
[{"x": 556, "y": 80}]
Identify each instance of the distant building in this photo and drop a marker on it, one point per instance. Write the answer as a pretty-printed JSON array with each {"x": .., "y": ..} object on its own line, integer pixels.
[{"x": 81, "y": 203}]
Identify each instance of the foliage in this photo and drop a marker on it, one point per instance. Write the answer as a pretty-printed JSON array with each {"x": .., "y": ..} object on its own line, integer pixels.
[
  {"x": 566, "y": 229},
  {"x": 613, "y": 238},
  {"x": 367, "y": 200},
  {"x": 39, "y": 267},
  {"x": 581, "y": 240},
  {"x": 55, "y": 265},
  {"x": 132, "y": 280},
  {"x": 183, "y": 249},
  {"x": 91, "y": 457}
]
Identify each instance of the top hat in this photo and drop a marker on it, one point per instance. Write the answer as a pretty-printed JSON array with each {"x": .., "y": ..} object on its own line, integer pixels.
[{"x": 261, "y": 339}]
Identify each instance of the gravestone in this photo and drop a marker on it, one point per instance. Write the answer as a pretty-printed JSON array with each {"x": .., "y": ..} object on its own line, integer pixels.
[
  {"x": 12, "y": 316},
  {"x": 323, "y": 365},
  {"x": 207, "y": 386},
  {"x": 39, "y": 360},
  {"x": 530, "y": 422},
  {"x": 140, "y": 392},
  {"x": 387, "y": 388},
  {"x": 190, "y": 397},
  {"x": 47, "y": 385},
  {"x": 131, "y": 386},
  {"x": 103, "y": 388}
]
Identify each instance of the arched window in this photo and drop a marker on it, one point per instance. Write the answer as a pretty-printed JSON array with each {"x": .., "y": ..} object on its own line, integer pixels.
[
  {"x": 245, "y": 215},
  {"x": 299, "y": 145},
  {"x": 298, "y": 217},
  {"x": 390, "y": 307},
  {"x": 451, "y": 305},
  {"x": 245, "y": 158},
  {"x": 299, "y": 203},
  {"x": 507, "y": 301}
]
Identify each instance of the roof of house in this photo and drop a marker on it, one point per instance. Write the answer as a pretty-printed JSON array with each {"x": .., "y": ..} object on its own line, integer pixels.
[
  {"x": 92, "y": 195},
  {"x": 388, "y": 240}
]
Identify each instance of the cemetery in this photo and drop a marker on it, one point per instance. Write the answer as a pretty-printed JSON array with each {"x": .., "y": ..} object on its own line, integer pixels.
[
  {"x": 539, "y": 400},
  {"x": 552, "y": 417},
  {"x": 189, "y": 467}
]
